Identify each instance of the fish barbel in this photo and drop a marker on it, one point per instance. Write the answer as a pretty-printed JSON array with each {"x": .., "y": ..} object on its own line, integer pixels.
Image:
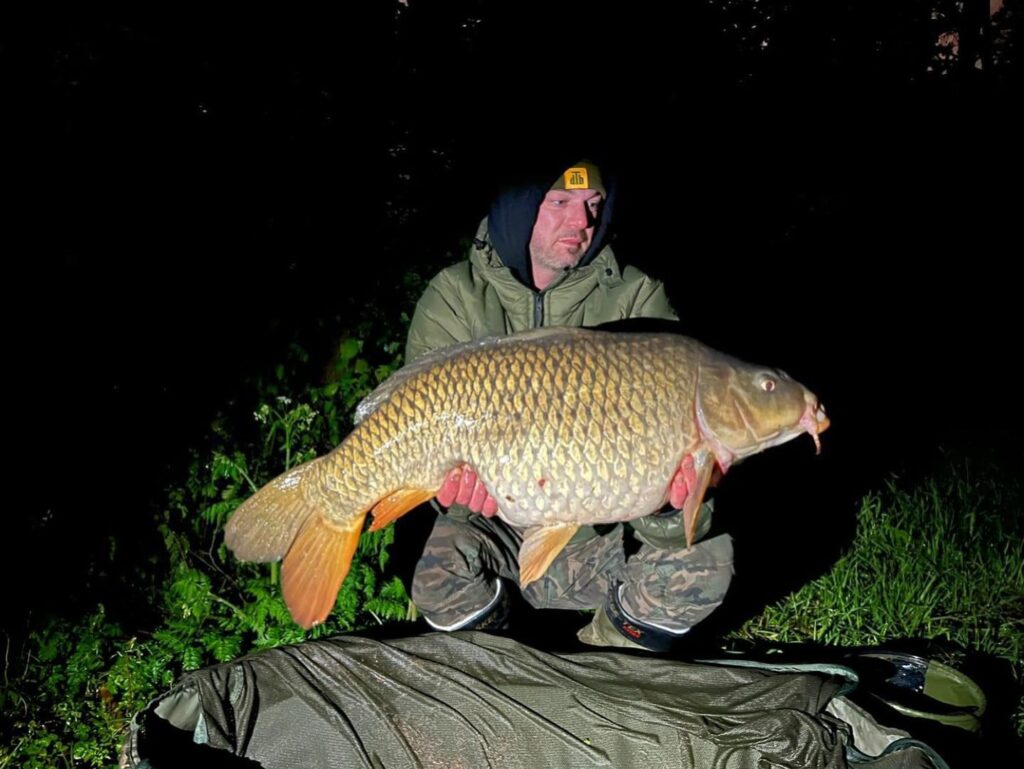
[{"x": 564, "y": 426}]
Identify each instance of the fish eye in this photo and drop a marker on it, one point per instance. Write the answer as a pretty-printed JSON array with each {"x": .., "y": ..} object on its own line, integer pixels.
[{"x": 767, "y": 383}]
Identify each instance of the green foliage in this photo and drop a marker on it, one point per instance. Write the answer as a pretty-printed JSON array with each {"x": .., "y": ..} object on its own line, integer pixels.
[
  {"x": 941, "y": 560},
  {"x": 83, "y": 679}
]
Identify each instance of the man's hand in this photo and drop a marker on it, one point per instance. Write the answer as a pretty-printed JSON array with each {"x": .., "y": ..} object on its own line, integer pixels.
[
  {"x": 462, "y": 486},
  {"x": 679, "y": 489}
]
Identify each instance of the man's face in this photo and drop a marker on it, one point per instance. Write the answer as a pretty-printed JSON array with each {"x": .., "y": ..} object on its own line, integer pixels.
[{"x": 564, "y": 228}]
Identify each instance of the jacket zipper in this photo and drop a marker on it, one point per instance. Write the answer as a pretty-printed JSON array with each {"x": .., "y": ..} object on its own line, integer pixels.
[{"x": 538, "y": 309}]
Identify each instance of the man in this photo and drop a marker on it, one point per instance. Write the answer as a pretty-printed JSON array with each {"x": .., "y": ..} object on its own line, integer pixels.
[{"x": 541, "y": 258}]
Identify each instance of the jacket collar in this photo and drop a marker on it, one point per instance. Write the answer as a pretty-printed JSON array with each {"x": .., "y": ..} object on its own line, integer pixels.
[{"x": 603, "y": 268}]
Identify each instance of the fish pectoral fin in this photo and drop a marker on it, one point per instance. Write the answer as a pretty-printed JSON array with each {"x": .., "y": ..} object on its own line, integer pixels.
[
  {"x": 315, "y": 567},
  {"x": 703, "y": 467},
  {"x": 541, "y": 545},
  {"x": 397, "y": 504}
]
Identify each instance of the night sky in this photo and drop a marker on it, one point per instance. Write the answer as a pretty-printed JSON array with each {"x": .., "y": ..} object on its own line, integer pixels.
[{"x": 205, "y": 189}]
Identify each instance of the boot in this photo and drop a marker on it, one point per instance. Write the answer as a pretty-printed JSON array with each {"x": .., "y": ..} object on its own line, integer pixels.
[
  {"x": 611, "y": 626},
  {"x": 497, "y": 617}
]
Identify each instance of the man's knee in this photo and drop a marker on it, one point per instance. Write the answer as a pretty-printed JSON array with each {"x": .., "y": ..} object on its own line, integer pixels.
[
  {"x": 463, "y": 605},
  {"x": 581, "y": 574},
  {"x": 452, "y": 585},
  {"x": 676, "y": 590}
]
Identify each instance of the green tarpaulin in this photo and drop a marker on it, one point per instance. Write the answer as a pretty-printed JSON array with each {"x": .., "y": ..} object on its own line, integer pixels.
[{"x": 470, "y": 699}]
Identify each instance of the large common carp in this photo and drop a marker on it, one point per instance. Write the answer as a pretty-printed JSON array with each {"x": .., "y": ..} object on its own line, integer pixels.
[{"x": 564, "y": 426}]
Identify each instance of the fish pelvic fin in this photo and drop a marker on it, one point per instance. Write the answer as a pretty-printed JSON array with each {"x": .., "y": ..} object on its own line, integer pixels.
[
  {"x": 265, "y": 525},
  {"x": 397, "y": 504},
  {"x": 698, "y": 481},
  {"x": 316, "y": 565},
  {"x": 540, "y": 547}
]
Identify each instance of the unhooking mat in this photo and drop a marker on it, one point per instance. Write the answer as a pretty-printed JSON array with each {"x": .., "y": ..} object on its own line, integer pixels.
[{"x": 469, "y": 699}]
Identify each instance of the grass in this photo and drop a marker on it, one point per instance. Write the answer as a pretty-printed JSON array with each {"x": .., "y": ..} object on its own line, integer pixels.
[{"x": 939, "y": 559}]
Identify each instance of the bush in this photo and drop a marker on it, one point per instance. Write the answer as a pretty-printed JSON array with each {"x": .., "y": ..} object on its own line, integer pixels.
[{"x": 82, "y": 680}]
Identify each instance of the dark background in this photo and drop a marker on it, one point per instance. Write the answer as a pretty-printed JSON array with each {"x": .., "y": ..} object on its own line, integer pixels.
[{"x": 817, "y": 189}]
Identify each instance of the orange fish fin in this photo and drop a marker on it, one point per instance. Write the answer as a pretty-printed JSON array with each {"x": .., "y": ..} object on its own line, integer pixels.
[
  {"x": 397, "y": 504},
  {"x": 540, "y": 547},
  {"x": 315, "y": 567},
  {"x": 265, "y": 525},
  {"x": 703, "y": 465}
]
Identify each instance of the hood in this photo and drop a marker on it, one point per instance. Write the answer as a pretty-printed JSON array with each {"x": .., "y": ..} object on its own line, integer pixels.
[{"x": 514, "y": 211}]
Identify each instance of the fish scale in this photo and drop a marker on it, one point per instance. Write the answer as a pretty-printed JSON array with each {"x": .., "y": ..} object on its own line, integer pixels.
[{"x": 565, "y": 427}]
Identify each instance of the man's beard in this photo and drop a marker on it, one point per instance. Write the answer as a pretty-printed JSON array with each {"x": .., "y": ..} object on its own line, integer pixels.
[{"x": 555, "y": 258}]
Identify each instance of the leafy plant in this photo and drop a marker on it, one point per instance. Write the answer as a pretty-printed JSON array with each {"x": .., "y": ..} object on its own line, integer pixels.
[{"x": 83, "y": 679}]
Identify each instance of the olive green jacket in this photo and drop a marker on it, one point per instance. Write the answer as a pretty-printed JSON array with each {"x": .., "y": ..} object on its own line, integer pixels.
[{"x": 480, "y": 297}]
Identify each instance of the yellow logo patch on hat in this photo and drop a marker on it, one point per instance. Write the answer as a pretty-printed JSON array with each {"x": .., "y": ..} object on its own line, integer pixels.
[{"x": 577, "y": 178}]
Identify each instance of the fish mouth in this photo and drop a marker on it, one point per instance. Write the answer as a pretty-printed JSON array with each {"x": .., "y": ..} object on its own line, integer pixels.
[{"x": 813, "y": 421}]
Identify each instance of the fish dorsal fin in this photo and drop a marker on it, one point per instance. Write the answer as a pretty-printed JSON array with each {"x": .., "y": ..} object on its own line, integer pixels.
[{"x": 387, "y": 388}]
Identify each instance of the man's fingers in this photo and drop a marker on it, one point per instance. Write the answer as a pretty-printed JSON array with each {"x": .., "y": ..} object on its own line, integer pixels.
[
  {"x": 449, "y": 487},
  {"x": 476, "y": 502},
  {"x": 466, "y": 486},
  {"x": 462, "y": 486},
  {"x": 490, "y": 507},
  {"x": 678, "y": 491}
]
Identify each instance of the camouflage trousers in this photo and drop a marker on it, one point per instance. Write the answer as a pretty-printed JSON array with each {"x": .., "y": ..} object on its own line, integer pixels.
[{"x": 466, "y": 564}]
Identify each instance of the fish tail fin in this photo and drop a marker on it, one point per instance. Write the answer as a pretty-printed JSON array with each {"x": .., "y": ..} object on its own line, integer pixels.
[
  {"x": 281, "y": 521},
  {"x": 316, "y": 565},
  {"x": 321, "y": 555},
  {"x": 265, "y": 525}
]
